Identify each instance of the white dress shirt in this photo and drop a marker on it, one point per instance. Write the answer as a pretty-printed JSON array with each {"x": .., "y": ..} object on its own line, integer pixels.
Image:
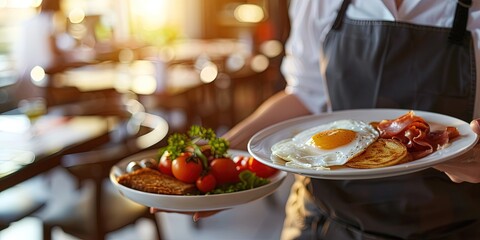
[{"x": 311, "y": 20}]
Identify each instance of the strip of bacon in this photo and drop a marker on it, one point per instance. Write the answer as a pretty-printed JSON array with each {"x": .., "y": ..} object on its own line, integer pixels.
[{"x": 414, "y": 132}]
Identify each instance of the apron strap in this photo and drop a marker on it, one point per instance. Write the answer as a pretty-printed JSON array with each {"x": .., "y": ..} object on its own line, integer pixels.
[
  {"x": 459, "y": 26},
  {"x": 457, "y": 31},
  {"x": 341, "y": 13}
]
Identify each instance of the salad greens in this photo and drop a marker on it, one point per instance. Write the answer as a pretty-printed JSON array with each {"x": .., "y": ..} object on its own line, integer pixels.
[{"x": 248, "y": 180}]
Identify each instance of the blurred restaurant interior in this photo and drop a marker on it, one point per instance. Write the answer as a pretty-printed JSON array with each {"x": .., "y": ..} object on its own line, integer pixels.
[{"x": 86, "y": 83}]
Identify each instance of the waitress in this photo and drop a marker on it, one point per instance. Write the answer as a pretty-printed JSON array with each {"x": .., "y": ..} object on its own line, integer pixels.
[{"x": 411, "y": 54}]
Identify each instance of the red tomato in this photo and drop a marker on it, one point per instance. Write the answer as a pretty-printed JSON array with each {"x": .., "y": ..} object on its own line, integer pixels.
[
  {"x": 165, "y": 164},
  {"x": 206, "y": 183},
  {"x": 241, "y": 162},
  {"x": 224, "y": 170},
  {"x": 260, "y": 169},
  {"x": 186, "y": 169}
]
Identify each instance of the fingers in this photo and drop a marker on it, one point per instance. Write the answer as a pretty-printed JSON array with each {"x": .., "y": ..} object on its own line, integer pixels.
[
  {"x": 444, "y": 168},
  {"x": 461, "y": 170},
  {"x": 454, "y": 178},
  {"x": 195, "y": 215},
  {"x": 475, "y": 125},
  {"x": 154, "y": 210}
]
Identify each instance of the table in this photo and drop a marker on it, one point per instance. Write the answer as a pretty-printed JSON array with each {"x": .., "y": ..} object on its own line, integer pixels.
[
  {"x": 25, "y": 153},
  {"x": 28, "y": 150}
]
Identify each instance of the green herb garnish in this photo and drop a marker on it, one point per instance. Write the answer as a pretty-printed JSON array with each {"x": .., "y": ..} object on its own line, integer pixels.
[
  {"x": 199, "y": 133},
  {"x": 177, "y": 144},
  {"x": 219, "y": 147},
  {"x": 248, "y": 180}
]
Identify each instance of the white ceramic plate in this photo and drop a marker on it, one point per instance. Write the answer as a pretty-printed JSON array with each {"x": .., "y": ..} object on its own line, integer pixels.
[
  {"x": 192, "y": 203},
  {"x": 260, "y": 144}
]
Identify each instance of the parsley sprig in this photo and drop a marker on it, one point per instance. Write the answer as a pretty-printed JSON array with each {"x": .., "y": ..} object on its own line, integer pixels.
[
  {"x": 177, "y": 144},
  {"x": 199, "y": 133}
]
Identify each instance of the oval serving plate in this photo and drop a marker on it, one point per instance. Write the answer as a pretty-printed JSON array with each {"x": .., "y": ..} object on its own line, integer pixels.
[
  {"x": 260, "y": 144},
  {"x": 192, "y": 203}
]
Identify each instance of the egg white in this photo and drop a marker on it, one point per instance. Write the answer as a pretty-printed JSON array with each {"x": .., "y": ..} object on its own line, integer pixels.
[{"x": 300, "y": 151}]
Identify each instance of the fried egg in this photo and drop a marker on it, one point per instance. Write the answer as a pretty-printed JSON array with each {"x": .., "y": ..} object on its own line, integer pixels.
[{"x": 326, "y": 145}]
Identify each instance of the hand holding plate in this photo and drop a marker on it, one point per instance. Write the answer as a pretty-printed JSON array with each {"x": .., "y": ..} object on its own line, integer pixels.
[
  {"x": 465, "y": 168},
  {"x": 195, "y": 215}
]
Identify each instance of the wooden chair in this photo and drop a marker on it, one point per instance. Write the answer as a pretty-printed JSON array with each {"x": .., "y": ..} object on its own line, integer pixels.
[{"x": 105, "y": 211}]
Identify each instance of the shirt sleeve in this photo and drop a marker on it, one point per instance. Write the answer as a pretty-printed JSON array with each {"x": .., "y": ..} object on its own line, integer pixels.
[{"x": 310, "y": 22}]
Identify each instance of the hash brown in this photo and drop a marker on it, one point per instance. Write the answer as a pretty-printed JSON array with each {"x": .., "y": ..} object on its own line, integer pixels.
[{"x": 153, "y": 181}]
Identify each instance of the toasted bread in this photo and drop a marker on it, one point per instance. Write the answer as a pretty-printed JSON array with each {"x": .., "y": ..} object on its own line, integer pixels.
[
  {"x": 381, "y": 153},
  {"x": 153, "y": 181}
]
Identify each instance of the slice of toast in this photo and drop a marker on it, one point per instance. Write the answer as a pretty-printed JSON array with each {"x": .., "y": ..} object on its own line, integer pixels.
[
  {"x": 381, "y": 153},
  {"x": 153, "y": 181}
]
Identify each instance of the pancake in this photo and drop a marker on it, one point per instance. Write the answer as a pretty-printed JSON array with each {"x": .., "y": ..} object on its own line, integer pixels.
[{"x": 381, "y": 153}]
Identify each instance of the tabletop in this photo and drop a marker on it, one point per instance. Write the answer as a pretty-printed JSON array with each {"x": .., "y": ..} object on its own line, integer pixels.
[{"x": 27, "y": 150}]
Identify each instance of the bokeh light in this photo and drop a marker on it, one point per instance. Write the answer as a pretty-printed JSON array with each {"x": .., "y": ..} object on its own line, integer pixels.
[
  {"x": 235, "y": 62},
  {"x": 271, "y": 48},
  {"x": 209, "y": 73},
  {"x": 144, "y": 84},
  {"x": 37, "y": 74},
  {"x": 249, "y": 13},
  {"x": 76, "y": 15},
  {"x": 259, "y": 63},
  {"x": 126, "y": 55},
  {"x": 143, "y": 73}
]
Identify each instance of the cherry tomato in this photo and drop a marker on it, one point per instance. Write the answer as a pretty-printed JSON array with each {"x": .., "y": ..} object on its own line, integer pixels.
[
  {"x": 224, "y": 170},
  {"x": 165, "y": 164},
  {"x": 186, "y": 169},
  {"x": 241, "y": 162},
  {"x": 206, "y": 183},
  {"x": 260, "y": 169}
]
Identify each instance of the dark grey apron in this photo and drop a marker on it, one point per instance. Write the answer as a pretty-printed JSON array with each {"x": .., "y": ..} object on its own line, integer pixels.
[{"x": 396, "y": 65}]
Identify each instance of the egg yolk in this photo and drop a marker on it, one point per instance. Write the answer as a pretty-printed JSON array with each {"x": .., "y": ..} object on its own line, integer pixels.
[{"x": 333, "y": 138}]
